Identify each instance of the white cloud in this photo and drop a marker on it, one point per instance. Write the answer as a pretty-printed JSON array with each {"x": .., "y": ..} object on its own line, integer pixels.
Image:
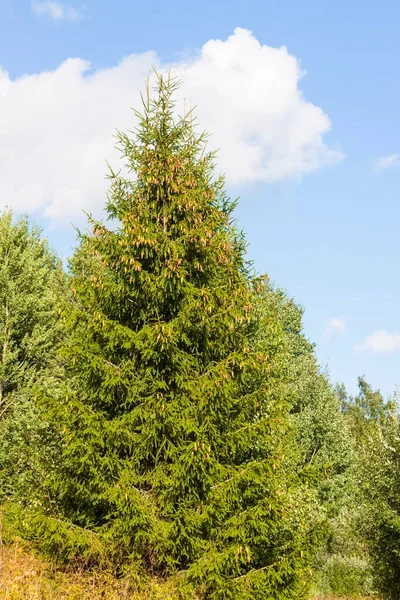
[
  {"x": 56, "y": 126},
  {"x": 380, "y": 342},
  {"x": 56, "y": 10},
  {"x": 335, "y": 326},
  {"x": 383, "y": 163}
]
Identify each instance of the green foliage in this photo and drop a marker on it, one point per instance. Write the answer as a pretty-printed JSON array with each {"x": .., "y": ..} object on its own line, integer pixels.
[
  {"x": 369, "y": 520},
  {"x": 345, "y": 577},
  {"x": 343, "y": 567},
  {"x": 31, "y": 278},
  {"x": 32, "y": 284},
  {"x": 325, "y": 453},
  {"x": 323, "y": 436},
  {"x": 177, "y": 447},
  {"x": 379, "y": 467},
  {"x": 365, "y": 409}
]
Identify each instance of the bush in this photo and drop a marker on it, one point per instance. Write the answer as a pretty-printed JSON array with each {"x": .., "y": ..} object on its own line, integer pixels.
[{"x": 345, "y": 576}]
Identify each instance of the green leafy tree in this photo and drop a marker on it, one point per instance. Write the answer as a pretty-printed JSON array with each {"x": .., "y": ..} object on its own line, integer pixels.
[
  {"x": 176, "y": 452},
  {"x": 361, "y": 551},
  {"x": 323, "y": 435},
  {"x": 364, "y": 409},
  {"x": 32, "y": 285},
  {"x": 326, "y": 456},
  {"x": 376, "y": 426}
]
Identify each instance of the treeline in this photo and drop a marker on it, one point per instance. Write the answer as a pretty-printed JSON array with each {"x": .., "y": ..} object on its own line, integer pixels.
[{"x": 162, "y": 412}]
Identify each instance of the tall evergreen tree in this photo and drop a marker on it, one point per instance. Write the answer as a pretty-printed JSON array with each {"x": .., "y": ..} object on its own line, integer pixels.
[{"x": 175, "y": 424}]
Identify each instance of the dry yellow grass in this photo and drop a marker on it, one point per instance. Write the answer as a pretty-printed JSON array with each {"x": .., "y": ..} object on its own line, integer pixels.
[
  {"x": 25, "y": 577},
  {"x": 342, "y": 598}
]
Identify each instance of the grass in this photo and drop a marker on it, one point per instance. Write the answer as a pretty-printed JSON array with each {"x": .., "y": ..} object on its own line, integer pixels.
[{"x": 23, "y": 576}]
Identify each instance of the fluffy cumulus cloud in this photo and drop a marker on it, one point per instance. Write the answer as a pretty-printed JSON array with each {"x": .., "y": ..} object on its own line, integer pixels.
[
  {"x": 335, "y": 326},
  {"x": 56, "y": 10},
  {"x": 381, "y": 342},
  {"x": 56, "y": 126},
  {"x": 384, "y": 163}
]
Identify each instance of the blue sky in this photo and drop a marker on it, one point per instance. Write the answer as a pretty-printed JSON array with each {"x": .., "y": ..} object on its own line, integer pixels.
[{"x": 325, "y": 228}]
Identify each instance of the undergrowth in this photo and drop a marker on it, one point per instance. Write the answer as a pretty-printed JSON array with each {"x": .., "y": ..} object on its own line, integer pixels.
[{"x": 23, "y": 576}]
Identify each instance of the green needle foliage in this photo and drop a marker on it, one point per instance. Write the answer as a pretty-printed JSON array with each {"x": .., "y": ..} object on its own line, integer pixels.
[{"x": 175, "y": 418}]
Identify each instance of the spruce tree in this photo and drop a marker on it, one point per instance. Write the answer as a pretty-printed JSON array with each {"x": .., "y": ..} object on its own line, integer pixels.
[{"x": 175, "y": 416}]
